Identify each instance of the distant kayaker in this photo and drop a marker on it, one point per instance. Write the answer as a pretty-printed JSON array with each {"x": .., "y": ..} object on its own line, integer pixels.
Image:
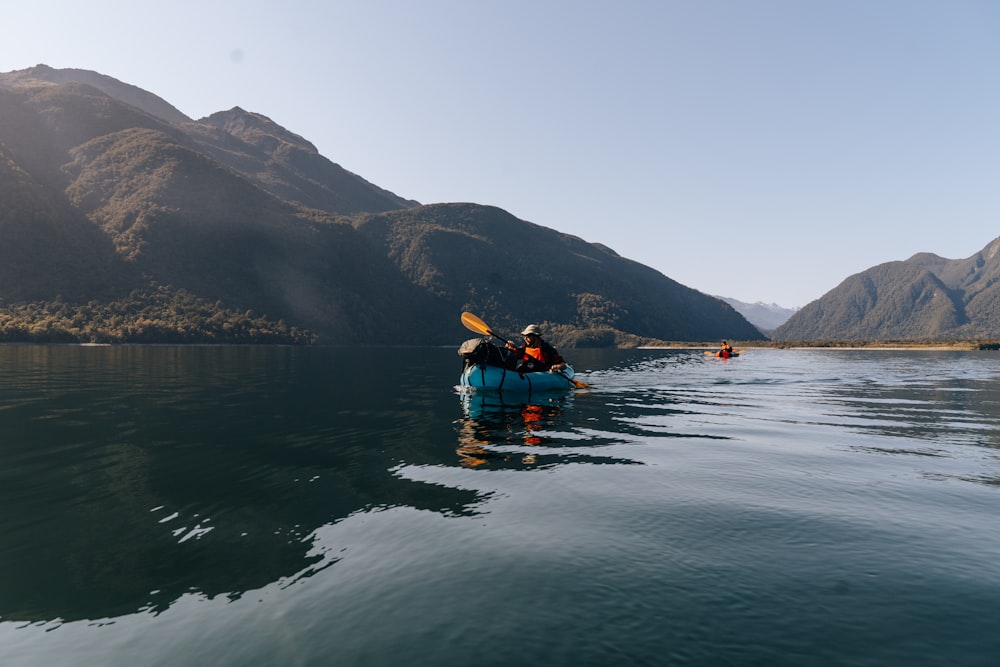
[
  {"x": 726, "y": 350},
  {"x": 535, "y": 354}
]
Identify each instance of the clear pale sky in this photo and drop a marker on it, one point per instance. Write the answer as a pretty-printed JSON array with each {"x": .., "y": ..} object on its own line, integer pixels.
[{"x": 757, "y": 149}]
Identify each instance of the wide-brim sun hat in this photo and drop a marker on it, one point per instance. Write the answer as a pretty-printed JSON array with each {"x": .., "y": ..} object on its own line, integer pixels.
[{"x": 532, "y": 329}]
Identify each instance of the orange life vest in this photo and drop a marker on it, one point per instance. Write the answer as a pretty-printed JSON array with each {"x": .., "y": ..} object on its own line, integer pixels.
[
  {"x": 534, "y": 353},
  {"x": 544, "y": 354}
]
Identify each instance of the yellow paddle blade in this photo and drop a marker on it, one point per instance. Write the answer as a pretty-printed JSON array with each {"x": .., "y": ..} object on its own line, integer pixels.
[
  {"x": 573, "y": 381},
  {"x": 473, "y": 323}
]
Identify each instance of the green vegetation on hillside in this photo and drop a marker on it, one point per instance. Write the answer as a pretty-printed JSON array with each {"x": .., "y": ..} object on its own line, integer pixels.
[{"x": 156, "y": 315}]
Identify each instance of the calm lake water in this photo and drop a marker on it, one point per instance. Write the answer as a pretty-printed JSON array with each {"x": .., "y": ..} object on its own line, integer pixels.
[{"x": 286, "y": 506}]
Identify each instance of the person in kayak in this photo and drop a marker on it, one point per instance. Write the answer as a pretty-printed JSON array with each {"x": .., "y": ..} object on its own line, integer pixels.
[
  {"x": 535, "y": 354},
  {"x": 726, "y": 350}
]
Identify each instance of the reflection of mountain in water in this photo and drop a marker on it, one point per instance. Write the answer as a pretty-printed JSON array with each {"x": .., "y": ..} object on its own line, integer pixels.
[
  {"x": 133, "y": 476},
  {"x": 917, "y": 414}
]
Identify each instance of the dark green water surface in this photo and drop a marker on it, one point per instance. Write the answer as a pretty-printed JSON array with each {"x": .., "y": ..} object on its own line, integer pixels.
[{"x": 319, "y": 506}]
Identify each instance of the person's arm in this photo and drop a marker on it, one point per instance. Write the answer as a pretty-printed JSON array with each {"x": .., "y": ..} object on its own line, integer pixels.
[{"x": 554, "y": 359}]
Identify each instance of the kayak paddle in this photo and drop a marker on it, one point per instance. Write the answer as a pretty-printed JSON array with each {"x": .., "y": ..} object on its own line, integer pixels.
[{"x": 473, "y": 323}]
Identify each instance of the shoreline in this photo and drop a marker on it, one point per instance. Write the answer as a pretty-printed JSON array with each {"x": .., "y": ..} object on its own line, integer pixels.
[{"x": 940, "y": 347}]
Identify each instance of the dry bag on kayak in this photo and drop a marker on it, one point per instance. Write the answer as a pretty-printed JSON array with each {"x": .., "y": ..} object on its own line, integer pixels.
[{"x": 482, "y": 351}]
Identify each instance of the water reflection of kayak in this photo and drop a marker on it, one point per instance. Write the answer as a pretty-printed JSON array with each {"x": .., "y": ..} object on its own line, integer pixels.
[
  {"x": 502, "y": 431},
  {"x": 494, "y": 407}
]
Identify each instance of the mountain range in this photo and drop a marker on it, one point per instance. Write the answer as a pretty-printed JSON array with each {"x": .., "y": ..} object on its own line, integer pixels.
[
  {"x": 123, "y": 220},
  {"x": 925, "y": 297},
  {"x": 765, "y": 316}
]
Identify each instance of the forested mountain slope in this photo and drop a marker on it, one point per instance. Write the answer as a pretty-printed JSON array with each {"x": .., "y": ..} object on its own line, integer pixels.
[
  {"x": 484, "y": 259},
  {"x": 122, "y": 219},
  {"x": 925, "y": 297}
]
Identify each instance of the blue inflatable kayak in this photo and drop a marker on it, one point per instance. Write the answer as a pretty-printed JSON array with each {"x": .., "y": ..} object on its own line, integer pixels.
[
  {"x": 482, "y": 376},
  {"x": 489, "y": 367}
]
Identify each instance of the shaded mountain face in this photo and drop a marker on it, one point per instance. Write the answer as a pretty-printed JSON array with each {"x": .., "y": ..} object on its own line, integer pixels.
[
  {"x": 183, "y": 218},
  {"x": 101, "y": 199},
  {"x": 513, "y": 272},
  {"x": 48, "y": 248},
  {"x": 116, "y": 205},
  {"x": 923, "y": 298}
]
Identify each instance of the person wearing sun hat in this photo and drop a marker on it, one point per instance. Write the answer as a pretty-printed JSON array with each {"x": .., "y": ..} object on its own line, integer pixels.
[{"x": 536, "y": 354}]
